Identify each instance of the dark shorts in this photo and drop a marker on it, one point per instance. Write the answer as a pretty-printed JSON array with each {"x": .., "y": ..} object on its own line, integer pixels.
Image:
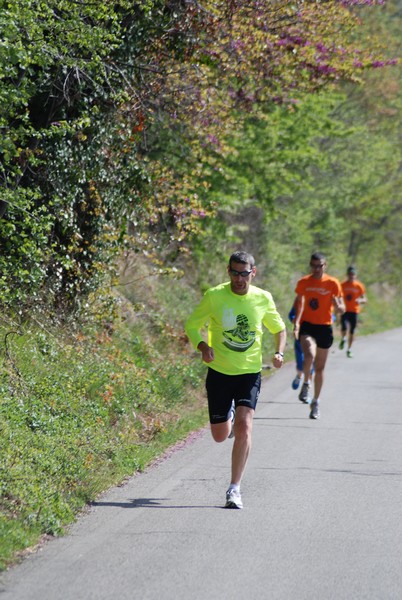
[
  {"x": 351, "y": 318},
  {"x": 322, "y": 334},
  {"x": 222, "y": 389}
]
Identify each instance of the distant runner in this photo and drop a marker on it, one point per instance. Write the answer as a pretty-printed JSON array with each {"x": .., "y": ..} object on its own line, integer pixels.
[
  {"x": 354, "y": 294},
  {"x": 299, "y": 356},
  {"x": 316, "y": 297}
]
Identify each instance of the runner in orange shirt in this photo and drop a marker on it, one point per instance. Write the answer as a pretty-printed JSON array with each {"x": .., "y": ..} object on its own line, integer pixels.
[
  {"x": 354, "y": 294},
  {"x": 316, "y": 297}
]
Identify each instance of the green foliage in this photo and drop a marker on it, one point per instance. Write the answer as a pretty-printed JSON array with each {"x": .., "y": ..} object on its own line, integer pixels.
[
  {"x": 115, "y": 118},
  {"x": 80, "y": 413}
]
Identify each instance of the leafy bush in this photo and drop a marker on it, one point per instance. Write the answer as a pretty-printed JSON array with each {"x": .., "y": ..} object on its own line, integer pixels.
[{"x": 77, "y": 414}]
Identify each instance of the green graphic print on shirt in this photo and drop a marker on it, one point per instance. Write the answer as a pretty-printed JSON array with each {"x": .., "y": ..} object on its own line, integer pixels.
[{"x": 239, "y": 338}]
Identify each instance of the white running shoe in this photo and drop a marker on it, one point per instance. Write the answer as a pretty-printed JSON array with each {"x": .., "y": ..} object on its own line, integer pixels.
[{"x": 233, "y": 499}]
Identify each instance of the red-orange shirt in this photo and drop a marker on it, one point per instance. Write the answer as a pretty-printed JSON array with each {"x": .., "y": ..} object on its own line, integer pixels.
[
  {"x": 318, "y": 295},
  {"x": 352, "y": 290}
]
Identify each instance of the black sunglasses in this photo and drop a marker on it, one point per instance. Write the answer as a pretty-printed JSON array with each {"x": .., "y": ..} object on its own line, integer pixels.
[{"x": 241, "y": 273}]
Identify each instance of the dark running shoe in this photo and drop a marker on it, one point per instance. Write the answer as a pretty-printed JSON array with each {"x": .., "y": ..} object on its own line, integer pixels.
[
  {"x": 304, "y": 393},
  {"x": 296, "y": 383},
  {"x": 315, "y": 411}
]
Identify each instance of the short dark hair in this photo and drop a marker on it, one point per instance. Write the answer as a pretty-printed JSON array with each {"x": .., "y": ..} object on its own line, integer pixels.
[
  {"x": 242, "y": 257},
  {"x": 318, "y": 256},
  {"x": 351, "y": 269}
]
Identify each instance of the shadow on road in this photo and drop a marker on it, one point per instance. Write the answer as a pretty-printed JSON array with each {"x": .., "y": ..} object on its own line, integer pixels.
[{"x": 148, "y": 503}]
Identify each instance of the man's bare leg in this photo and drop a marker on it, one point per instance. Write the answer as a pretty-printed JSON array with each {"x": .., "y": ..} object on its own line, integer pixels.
[
  {"x": 319, "y": 365},
  {"x": 243, "y": 427},
  {"x": 309, "y": 348}
]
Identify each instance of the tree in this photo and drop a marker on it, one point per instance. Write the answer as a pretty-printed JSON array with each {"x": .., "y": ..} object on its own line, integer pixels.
[{"x": 96, "y": 95}]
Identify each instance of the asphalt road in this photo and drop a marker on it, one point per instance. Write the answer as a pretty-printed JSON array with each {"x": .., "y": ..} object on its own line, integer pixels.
[{"x": 322, "y": 515}]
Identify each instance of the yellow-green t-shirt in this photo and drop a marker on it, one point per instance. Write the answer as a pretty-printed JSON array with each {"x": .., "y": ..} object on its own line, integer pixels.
[{"x": 235, "y": 327}]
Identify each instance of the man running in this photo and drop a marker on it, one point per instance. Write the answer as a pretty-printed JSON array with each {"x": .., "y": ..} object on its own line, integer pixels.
[
  {"x": 316, "y": 297},
  {"x": 235, "y": 313},
  {"x": 354, "y": 294}
]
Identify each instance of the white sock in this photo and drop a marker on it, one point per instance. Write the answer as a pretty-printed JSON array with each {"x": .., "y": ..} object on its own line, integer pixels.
[{"x": 235, "y": 487}]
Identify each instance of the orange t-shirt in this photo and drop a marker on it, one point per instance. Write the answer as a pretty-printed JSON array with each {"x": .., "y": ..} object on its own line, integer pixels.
[
  {"x": 318, "y": 295},
  {"x": 352, "y": 290}
]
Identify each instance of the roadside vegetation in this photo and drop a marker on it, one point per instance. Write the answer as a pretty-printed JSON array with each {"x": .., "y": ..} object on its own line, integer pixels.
[
  {"x": 141, "y": 144},
  {"x": 82, "y": 409}
]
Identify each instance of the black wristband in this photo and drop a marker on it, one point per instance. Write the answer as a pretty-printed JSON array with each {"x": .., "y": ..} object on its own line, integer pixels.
[{"x": 280, "y": 353}]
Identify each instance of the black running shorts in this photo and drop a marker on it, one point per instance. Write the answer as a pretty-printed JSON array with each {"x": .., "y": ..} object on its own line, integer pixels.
[
  {"x": 322, "y": 334},
  {"x": 351, "y": 318},
  {"x": 222, "y": 389}
]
